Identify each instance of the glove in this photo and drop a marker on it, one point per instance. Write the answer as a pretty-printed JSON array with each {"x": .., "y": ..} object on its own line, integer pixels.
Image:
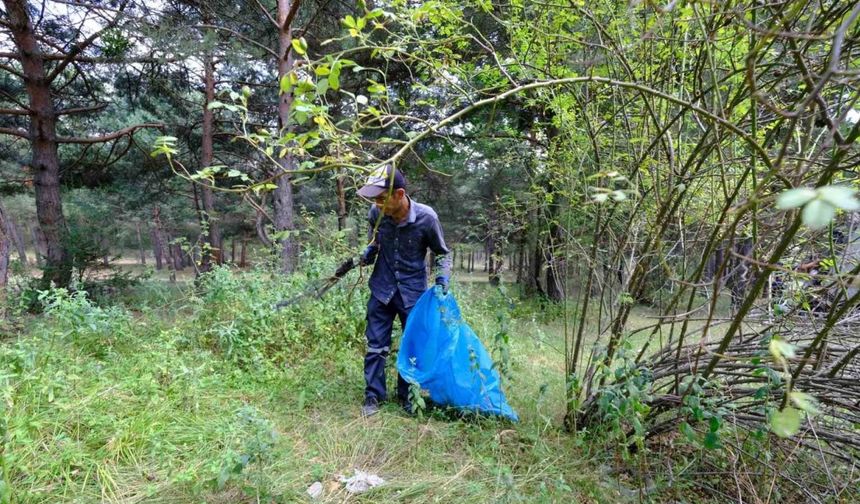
[
  {"x": 440, "y": 290},
  {"x": 367, "y": 256},
  {"x": 344, "y": 268}
]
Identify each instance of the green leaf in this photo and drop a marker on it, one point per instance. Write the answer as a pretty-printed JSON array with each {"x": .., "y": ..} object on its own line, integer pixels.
[
  {"x": 376, "y": 88},
  {"x": 322, "y": 70},
  {"x": 688, "y": 431},
  {"x": 780, "y": 349},
  {"x": 214, "y": 105},
  {"x": 714, "y": 424},
  {"x": 300, "y": 46},
  {"x": 334, "y": 77},
  {"x": 794, "y": 198},
  {"x": 840, "y": 197},
  {"x": 805, "y": 402},
  {"x": 712, "y": 441},
  {"x": 322, "y": 86},
  {"x": 285, "y": 84},
  {"x": 817, "y": 214},
  {"x": 785, "y": 423},
  {"x": 349, "y": 21}
]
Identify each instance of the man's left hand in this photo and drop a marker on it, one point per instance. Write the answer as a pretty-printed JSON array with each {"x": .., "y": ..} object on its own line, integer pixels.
[{"x": 441, "y": 288}]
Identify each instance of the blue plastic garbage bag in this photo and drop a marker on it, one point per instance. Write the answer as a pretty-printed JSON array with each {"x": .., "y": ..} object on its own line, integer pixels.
[{"x": 442, "y": 354}]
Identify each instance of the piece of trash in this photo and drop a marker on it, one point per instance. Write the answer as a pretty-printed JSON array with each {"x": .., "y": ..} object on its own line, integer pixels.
[
  {"x": 361, "y": 482},
  {"x": 315, "y": 490}
]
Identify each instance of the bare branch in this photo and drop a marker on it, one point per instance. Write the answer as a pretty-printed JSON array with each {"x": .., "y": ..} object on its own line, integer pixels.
[
  {"x": 82, "y": 110},
  {"x": 111, "y": 136},
  {"x": 18, "y": 132}
]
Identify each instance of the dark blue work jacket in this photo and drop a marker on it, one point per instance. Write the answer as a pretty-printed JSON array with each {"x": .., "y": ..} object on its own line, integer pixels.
[{"x": 400, "y": 251}]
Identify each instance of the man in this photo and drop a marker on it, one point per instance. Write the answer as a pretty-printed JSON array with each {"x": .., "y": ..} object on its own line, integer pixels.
[{"x": 401, "y": 232}]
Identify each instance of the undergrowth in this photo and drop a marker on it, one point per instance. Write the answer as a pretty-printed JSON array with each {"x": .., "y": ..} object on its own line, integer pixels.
[{"x": 205, "y": 393}]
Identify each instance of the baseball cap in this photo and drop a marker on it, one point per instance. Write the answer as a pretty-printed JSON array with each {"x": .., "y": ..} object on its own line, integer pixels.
[{"x": 378, "y": 182}]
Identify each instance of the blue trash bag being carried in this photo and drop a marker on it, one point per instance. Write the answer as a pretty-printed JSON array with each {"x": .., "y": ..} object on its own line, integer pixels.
[{"x": 442, "y": 354}]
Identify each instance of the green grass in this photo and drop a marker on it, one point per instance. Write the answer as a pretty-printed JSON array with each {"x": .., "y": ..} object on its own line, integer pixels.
[
  {"x": 143, "y": 410},
  {"x": 175, "y": 395}
]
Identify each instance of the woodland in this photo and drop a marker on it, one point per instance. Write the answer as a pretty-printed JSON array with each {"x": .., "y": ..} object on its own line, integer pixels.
[{"x": 651, "y": 208}]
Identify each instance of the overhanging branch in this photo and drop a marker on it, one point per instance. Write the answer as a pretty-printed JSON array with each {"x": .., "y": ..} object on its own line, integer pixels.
[
  {"x": 110, "y": 136},
  {"x": 18, "y": 132}
]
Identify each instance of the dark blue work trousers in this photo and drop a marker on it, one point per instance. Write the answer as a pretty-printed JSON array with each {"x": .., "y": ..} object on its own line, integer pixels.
[{"x": 380, "y": 321}]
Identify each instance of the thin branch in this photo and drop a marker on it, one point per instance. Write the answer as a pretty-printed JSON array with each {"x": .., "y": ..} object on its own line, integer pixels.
[
  {"x": 111, "y": 136},
  {"x": 18, "y": 132}
]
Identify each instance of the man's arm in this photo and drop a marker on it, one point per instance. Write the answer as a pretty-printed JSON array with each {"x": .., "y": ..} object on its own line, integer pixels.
[
  {"x": 369, "y": 253},
  {"x": 442, "y": 264}
]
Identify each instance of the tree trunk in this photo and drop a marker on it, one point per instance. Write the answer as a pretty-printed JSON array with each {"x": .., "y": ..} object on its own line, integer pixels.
[
  {"x": 486, "y": 258},
  {"x": 6, "y": 240},
  {"x": 176, "y": 253},
  {"x": 242, "y": 255},
  {"x": 554, "y": 271},
  {"x": 233, "y": 251},
  {"x": 209, "y": 222},
  {"x": 533, "y": 284},
  {"x": 40, "y": 245},
  {"x": 32, "y": 232},
  {"x": 471, "y": 261},
  {"x": 157, "y": 242},
  {"x": 341, "y": 203},
  {"x": 260, "y": 226},
  {"x": 521, "y": 262},
  {"x": 45, "y": 163},
  {"x": 283, "y": 193},
  {"x": 492, "y": 273},
  {"x": 15, "y": 231},
  {"x": 140, "y": 244}
]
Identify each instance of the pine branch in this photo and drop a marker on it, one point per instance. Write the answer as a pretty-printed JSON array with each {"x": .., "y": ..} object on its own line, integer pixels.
[{"x": 110, "y": 136}]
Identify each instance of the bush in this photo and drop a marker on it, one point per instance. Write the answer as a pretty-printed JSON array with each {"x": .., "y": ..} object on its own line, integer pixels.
[
  {"x": 72, "y": 316},
  {"x": 235, "y": 314}
]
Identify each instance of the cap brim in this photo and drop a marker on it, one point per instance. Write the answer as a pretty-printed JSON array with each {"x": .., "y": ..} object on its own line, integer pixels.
[{"x": 371, "y": 191}]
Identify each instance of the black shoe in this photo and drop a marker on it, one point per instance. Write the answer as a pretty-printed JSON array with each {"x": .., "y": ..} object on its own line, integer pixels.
[{"x": 370, "y": 408}]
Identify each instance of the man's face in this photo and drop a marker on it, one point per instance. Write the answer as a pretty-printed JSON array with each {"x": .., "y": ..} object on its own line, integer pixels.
[{"x": 390, "y": 204}]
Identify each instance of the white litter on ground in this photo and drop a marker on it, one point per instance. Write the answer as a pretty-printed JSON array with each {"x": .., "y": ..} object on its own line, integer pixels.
[
  {"x": 361, "y": 482},
  {"x": 315, "y": 490}
]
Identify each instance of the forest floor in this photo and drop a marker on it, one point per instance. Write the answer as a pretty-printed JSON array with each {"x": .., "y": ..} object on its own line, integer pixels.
[
  {"x": 153, "y": 419},
  {"x": 123, "y": 404}
]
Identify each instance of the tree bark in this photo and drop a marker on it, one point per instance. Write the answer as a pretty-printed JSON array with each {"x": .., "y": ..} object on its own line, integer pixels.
[
  {"x": 521, "y": 262},
  {"x": 40, "y": 244},
  {"x": 233, "y": 251},
  {"x": 140, "y": 244},
  {"x": 32, "y": 232},
  {"x": 533, "y": 284},
  {"x": 45, "y": 162},
  {"x": 242, "y": 255},
  {"x": 157, "y": 244},
  {"x": 283, "y": 193},
  {"x": 15, "y": 231},
  {"x": 554, "y": 271},
  {"x": 209, "y": 222},
  {"x": 6, "y": 240}
]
